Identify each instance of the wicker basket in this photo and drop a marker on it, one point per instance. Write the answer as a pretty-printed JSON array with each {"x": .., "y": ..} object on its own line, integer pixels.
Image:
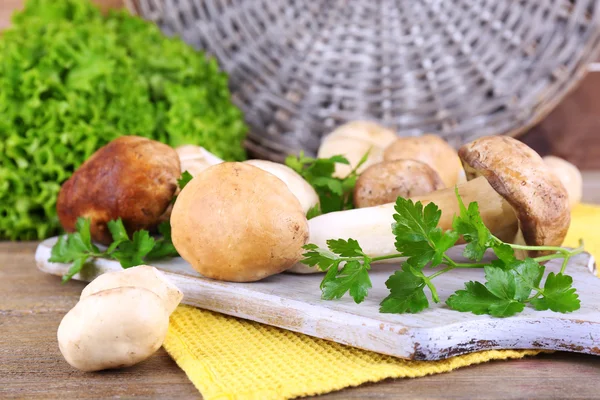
[{"x": 460, "y": 68}]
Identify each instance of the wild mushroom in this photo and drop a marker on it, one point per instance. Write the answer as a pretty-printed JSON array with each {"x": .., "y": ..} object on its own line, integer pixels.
[
  {"x": 195, "y": 159},
  {"x": 120, "y": 320},
  {"x": 570, "y": 177},
  {"x": 433, "y": 151},
  {"x": 305, "y": 193},
  {"x": 236, "y": 222},
  {"x": 132, "y": 178},
  {"x": 518, "y": 197},
  {"x": 353, "y": 140},
  {"x": 386, "y": 181}
]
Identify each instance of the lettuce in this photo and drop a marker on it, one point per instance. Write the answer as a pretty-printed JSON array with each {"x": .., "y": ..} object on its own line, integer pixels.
[{"x": 72, "y": 79}]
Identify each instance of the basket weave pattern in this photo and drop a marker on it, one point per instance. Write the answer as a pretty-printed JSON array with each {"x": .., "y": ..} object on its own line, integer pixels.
[{"x": 459, "y": 68}]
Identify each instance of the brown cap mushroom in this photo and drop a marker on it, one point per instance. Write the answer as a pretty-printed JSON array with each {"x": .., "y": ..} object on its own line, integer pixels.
[
  {"x": 386, "y": 181},
  {"x": 433, "y": 151},
  {"x": 520, "y": 176},
  {"x": 569, "y": 175},
  {"x": 132, "y": 178},
  {"x": 236, "y": 222},
  {"x": 353, "y": 140}
]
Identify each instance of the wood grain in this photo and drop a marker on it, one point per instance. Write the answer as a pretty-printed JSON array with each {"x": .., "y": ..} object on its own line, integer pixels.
[{"x": 292, "y": 301}]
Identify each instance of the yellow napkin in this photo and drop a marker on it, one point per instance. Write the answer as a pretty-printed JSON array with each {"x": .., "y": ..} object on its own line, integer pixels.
[{"x": 231, "y": 358}]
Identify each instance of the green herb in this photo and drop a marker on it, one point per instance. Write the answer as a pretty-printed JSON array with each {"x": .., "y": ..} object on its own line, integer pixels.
[
  {"x": 77, "y": 247},
  {"x": 73, "y": 79},
  {"x": 335, "y": 194},
  {"x": 509, "y": 282},
  {"x": 186, "y": 177}
]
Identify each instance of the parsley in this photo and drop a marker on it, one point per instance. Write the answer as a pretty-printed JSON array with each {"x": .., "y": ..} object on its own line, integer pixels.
[
  {"x": 509, "y": 282},
  {"x": 335, "y": 194},
  {"x": 77, "y": 247},
  {"x": 186, "y": 177}
]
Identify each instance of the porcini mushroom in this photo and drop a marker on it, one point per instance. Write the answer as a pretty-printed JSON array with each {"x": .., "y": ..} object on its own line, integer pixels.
[
  {"x": 305, "y": 193},
  {"x": 236, "y": 222},
  {"x": 132, "y": 178},
  {"x": 433, "y": 151},
  {"x": 386, "y": 181},
  {"x": 353, "y": 140},
  {"x": 570, "y": 177},
  {"x": 517, "y": 194}
]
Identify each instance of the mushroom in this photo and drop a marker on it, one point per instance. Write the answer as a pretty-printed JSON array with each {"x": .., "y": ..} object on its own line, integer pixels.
[
  {"x": 195, "y": 159},
  {"x": 569, "y": 175},
  {"x": 132, "y": 178},
  {"x": 519, "y": 200},
  {"x": 305, "y": 193},
  {"x": 433, "y": 151},
  {"x": 143, "y": 276},
  {"x": 121, "y": 319},
  {"x": 236, "y": 222},
  {"x": 386, "y": 181},
  {"x": 353, "y": 140}
]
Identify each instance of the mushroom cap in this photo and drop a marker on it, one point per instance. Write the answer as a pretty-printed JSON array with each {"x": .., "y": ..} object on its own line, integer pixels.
[
  {"x": 433, "y": 151},
  {"x": 521, "y": 177},
  {"x": 236, "y": 222},
  {"x": 386, "y": 181},
  {"x": 132, "y": 178},
  {"x": 305, "y": 193},
  {"x": 353, "y": 140},
  {"x": 569, "y": 175}
]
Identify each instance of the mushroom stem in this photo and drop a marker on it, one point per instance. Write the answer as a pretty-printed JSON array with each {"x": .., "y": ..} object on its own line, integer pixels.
[
  {"x": 371, "y": 226},
  {"x": 497, "y": 213}
]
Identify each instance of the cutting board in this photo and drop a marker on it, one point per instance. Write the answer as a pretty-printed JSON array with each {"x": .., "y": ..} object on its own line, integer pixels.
[{"x": 293, "y": 302}]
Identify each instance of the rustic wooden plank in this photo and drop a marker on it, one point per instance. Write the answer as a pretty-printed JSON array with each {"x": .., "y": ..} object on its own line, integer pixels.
[
  {"x": 32, "y": 304},
  {"x": 293, "y": 302}
]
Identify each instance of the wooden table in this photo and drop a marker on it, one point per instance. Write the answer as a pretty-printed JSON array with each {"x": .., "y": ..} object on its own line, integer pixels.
[{"x": 31, "y": 366}]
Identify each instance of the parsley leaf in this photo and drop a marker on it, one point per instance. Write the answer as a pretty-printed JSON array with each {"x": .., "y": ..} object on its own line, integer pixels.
[
  {"x": 406, "y": 293},
  {"x": 132, "y": 253},
  {"x": 470, "y": 225},
  {"x": 186, "y": 177},
  {"x": 478, "y": 299},
  {"x": 345, "y": 248},
  {"x": 500, "y": 282},
  {"x": 352, "y": 278},
  {"x": 528, "y": 274},
  {"x": 335, "y": 194},
  {"x": 558, "y": 294},
  {"x": 77, "y": 247},
  {"x": 163, "y": 247}
]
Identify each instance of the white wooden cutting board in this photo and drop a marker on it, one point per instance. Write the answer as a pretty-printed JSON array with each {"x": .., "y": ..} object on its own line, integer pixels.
[{"x": 293, "y": 302}]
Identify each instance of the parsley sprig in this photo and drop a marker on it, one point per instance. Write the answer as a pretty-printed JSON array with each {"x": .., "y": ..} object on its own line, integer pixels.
[
  {"x": 77, "y": 248},
  {"x": 510, "y": 284},
  {"x": 335, "y": 194}
]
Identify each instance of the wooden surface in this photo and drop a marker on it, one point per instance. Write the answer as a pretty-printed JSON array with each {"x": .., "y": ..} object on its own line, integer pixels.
[
  {"x": 292, "y": 301},
  {"x": 32, "y": 304}
]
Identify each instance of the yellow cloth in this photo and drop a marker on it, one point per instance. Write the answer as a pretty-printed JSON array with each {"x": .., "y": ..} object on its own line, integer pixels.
[{"x": 231, "y": 358}]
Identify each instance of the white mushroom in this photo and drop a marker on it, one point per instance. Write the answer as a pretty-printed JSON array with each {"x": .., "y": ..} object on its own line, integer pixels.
[
  {"x": 121, "y": 319},
  {"x": 305, "y": 193},
  {"x": 196, "y": 159},
  {"x": 143, "y": 276},
  {"x": 353, "y": 140}
]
